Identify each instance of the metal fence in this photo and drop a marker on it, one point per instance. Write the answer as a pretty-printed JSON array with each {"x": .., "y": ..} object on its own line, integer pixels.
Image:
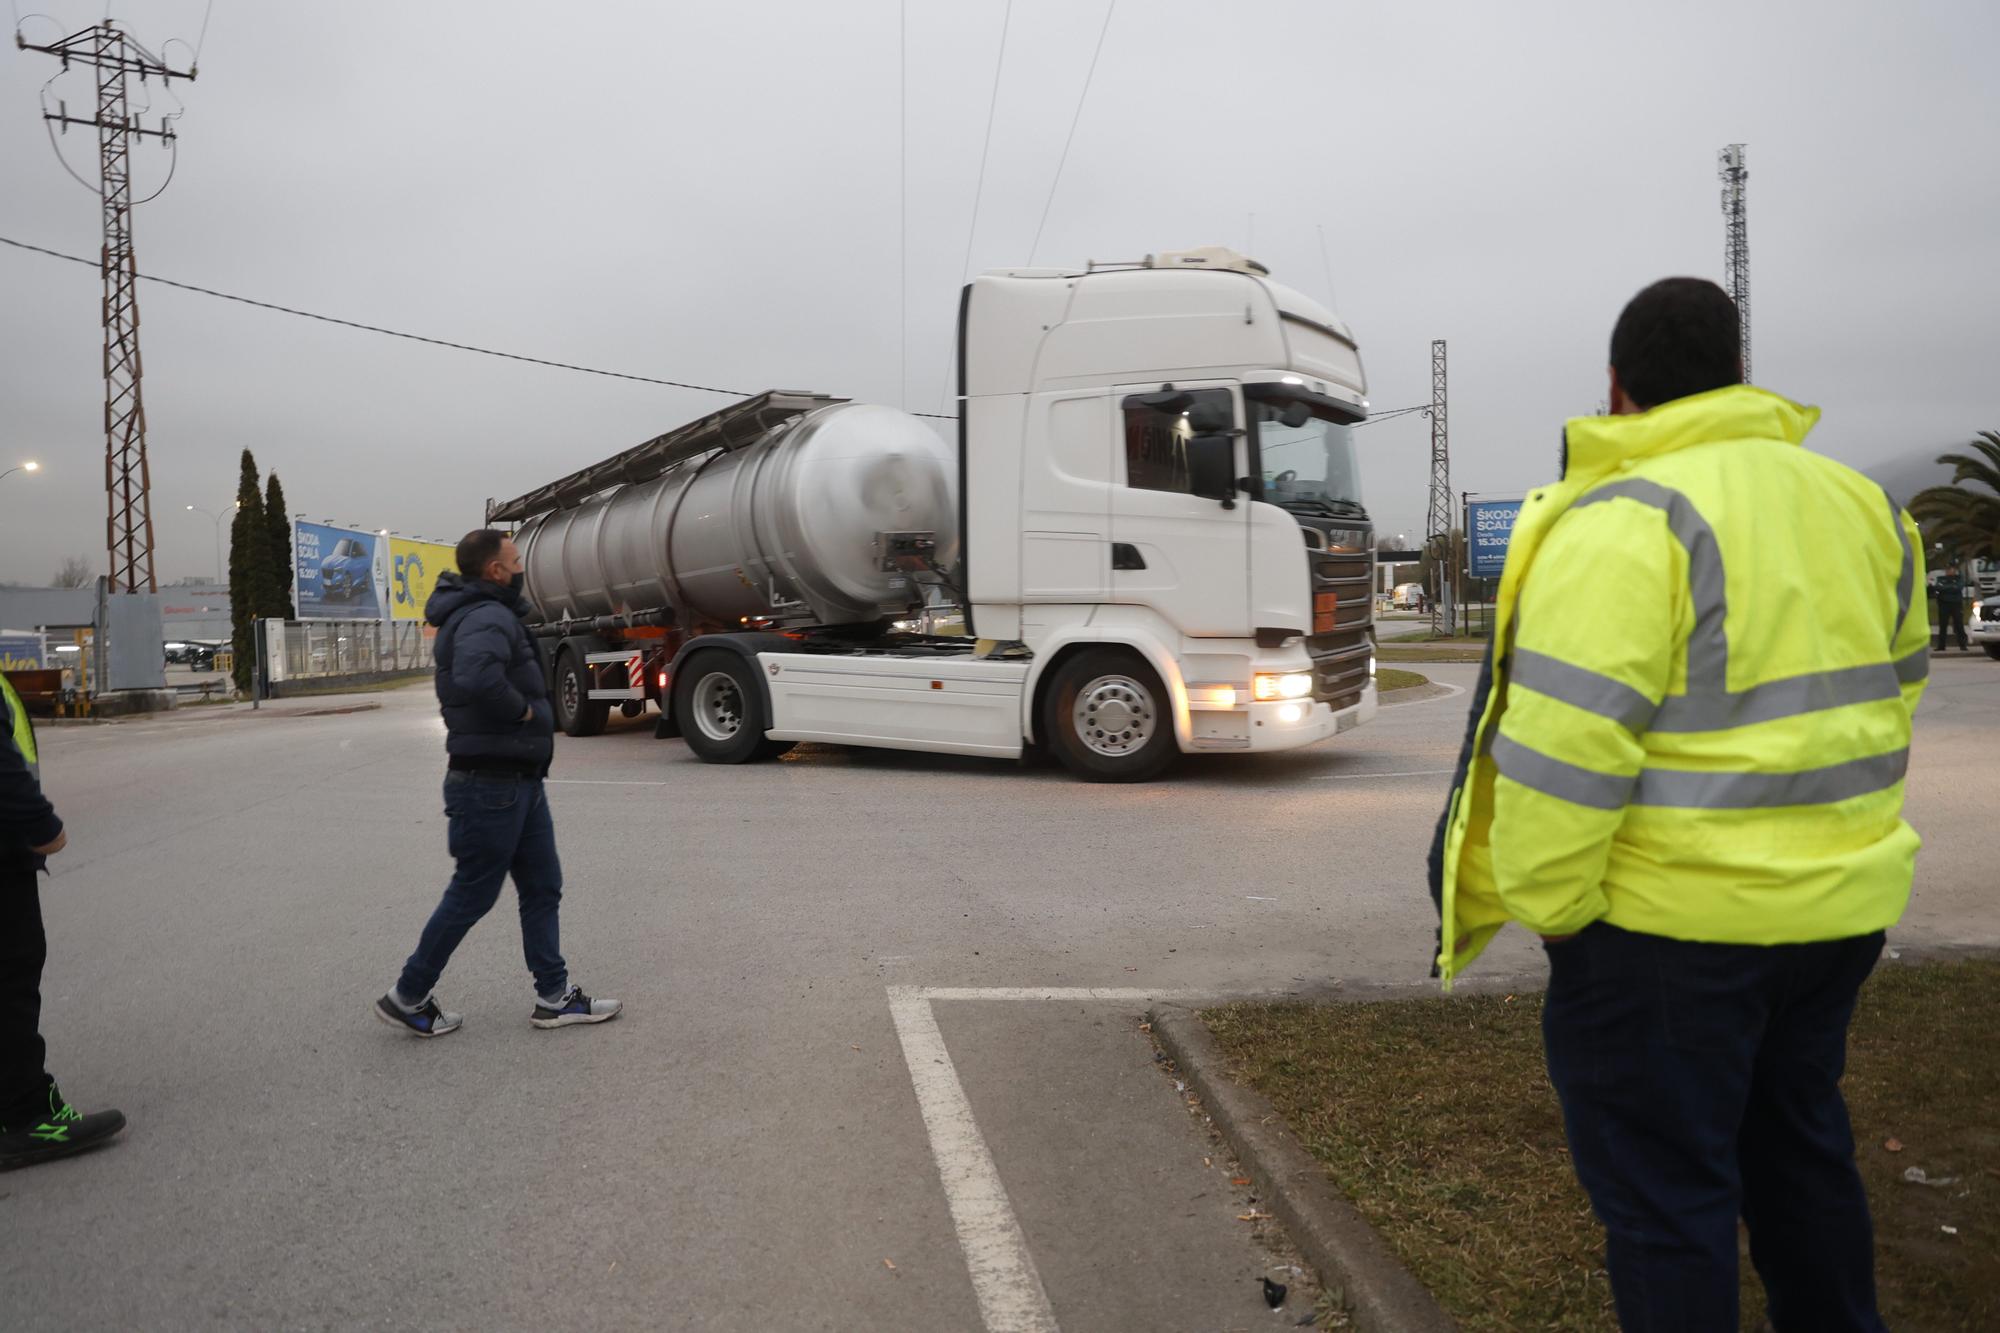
[{"x": 328, "y": 650}]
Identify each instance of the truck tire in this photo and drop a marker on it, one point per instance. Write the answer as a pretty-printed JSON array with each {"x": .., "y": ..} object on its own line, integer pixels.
[
  {"x": 1992, "y": 650},
  {"x": 577, "y": 714},
  {"x": 1108, "y": 718},
  {"x": 719, "y": 706}
]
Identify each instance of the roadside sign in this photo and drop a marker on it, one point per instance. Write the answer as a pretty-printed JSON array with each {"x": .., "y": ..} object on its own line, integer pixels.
[{"x": 1489, "y": 528}]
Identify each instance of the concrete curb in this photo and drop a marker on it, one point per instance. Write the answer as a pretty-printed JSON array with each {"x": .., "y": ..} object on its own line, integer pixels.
[{"x": 1330, "y": 1233}]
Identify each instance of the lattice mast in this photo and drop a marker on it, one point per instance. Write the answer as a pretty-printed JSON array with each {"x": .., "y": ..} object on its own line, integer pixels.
[
  {"x": 1437, "y": 525},
  {"x": 1736, "y": 233},
  {"x": 127, "y": 477}
]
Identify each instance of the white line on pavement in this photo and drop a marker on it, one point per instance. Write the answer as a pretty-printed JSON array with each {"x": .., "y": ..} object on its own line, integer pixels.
[{"x": 1010, "y": 1292}]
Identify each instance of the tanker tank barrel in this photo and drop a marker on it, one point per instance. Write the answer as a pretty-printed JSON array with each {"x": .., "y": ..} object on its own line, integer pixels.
[
  {"x": 796, "y": 510},
  {"x": 734, "y": 427}
]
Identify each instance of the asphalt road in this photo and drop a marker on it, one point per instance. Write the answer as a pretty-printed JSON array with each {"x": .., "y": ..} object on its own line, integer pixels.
[{"x": 756, "y": 1144}]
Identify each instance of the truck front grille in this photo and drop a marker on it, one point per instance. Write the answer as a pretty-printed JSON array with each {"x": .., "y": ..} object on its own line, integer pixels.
[{"x": 1340, "y": 657}]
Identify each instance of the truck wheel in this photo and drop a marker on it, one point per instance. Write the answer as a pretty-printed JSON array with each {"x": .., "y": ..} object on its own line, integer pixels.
[
  {"x": 720, "y": 710},
  {"x": 1992, "y": 650},
  {"x": 576, "y": 713},
  {"x": 1108, "y": 718}
]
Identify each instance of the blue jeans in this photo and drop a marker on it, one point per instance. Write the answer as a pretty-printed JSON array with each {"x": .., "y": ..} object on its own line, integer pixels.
[
  {"x": 1702, "y": 1081},
  {"x": 498, "y": 825}
]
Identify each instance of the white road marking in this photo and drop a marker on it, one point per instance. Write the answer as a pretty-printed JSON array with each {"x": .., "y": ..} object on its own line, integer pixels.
[
  {"x": 1010, "y": 1292},
  {"x": 1407, "y": 773}
]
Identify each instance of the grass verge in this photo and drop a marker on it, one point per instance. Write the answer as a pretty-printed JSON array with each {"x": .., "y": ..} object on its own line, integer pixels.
[
  {"x": 1388, "y": 678},
  {"x": 1436, "y": 1118},
  {"x": 1449, "y": 653}
]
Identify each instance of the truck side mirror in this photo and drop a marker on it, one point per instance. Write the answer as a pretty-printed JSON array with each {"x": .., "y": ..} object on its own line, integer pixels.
[{"x": 1212, "y": 468}]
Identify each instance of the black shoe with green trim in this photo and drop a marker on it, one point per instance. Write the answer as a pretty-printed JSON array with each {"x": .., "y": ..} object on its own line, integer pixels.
[{"x": 58, "y": 1133}]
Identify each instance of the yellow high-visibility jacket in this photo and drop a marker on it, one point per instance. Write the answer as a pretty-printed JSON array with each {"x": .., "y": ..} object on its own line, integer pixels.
[{"x": 1713, "y": 644}]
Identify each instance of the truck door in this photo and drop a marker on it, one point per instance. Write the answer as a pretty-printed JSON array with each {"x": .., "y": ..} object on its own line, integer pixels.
[{"x": 1181, "y": 554}]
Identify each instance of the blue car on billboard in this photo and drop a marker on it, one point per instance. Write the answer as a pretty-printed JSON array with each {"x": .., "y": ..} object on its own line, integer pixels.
[{"x": 348, "y": 571}]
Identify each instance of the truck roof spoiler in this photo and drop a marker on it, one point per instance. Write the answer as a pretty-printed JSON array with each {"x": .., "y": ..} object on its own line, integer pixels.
[{"x": 733, "y": 427}]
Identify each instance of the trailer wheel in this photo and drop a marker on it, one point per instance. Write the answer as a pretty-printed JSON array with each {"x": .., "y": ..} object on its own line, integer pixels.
[
  {"x": 576, "y": 713},
  {"x": 1108, "y": 718},
  {"x": 720, "y": 710}
]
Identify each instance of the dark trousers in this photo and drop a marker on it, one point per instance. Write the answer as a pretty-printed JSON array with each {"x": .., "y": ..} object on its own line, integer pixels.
[
  {"x": 1700, "y": 1082},
  {"x": 498, "y": 826},
  {"x": 24, "y": 1083},
  {"x": 1951, "y": 616}
]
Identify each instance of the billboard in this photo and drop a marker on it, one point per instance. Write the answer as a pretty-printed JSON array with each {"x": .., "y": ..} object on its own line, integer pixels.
[
  {"x": 342, "y": 573},
  {"x": 23, "y": 652},
  {"x": 413, "y": 571},
  {"x": 1489, "y": 527}
]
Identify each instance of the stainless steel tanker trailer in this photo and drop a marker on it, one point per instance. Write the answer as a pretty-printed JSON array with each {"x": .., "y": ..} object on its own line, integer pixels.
[{"x": 786, "y": 519}]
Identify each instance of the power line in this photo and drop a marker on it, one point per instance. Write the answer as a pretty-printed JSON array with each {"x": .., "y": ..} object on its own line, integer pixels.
[
  {"x": 1070, "y": 138},
  {"x": 203, "y": 37},
  {"x": 1377, "y": 417},
  {"x": 412, "y": 337},
  {"x": 979, "y": 186},
  {"x": 903, "y": 203}
]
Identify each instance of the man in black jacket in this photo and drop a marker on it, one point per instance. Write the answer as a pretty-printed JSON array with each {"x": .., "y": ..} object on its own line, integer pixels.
[
  {"x": 35, "y": 1122},
  {"x": 500, "y": 737},
  {"x": 1950, "y": 593}
]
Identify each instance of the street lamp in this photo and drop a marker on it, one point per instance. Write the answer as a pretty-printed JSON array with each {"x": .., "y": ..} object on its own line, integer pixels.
[
  {"x": 30, "y": 466},
  {"x": 217, "y": 520}
]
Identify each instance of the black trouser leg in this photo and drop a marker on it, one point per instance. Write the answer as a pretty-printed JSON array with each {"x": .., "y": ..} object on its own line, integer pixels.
[
  {"x": 24, "y": 1082},
  {"x": 1652, "y": 1062},
  {"x": 1810, "y": 1235}
]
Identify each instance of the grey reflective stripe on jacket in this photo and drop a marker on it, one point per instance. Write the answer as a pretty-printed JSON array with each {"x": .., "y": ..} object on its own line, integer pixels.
[
  {"x": 1696, "y": 790},
  {"x": 1709, "y": 704}
]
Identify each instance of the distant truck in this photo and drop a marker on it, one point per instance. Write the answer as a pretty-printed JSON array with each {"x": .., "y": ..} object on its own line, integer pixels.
[{"x": 1151, "y": 522}]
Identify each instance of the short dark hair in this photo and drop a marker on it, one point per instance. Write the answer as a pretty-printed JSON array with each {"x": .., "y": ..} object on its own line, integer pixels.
[
  {"x": 1680, "y": 336},
  {"x": 478, "y": 549}
]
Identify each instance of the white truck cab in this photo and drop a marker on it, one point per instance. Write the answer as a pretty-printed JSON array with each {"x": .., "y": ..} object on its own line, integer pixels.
[{"x": 1156, "y": 459}]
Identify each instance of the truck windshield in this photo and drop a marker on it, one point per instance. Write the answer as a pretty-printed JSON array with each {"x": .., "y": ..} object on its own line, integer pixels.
[{"x": 1306, "y": 457}]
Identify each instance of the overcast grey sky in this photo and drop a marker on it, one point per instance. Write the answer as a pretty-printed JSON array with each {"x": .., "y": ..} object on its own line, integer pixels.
[{"x": 709, "y": 192}]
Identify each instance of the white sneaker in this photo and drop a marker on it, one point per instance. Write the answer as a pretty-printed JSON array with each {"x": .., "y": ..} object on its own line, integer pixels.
[{"x": 573, "y": 1007}]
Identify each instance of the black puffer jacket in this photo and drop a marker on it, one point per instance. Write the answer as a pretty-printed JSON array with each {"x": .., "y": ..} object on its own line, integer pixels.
[{"x": 488, "y": 676}]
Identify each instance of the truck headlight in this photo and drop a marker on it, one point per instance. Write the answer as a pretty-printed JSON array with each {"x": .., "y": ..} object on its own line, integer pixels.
[{"x": 1290, "y": 685}]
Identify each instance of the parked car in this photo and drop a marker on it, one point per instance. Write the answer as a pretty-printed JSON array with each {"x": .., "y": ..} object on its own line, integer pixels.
[{"x": 1983, "y": 626}]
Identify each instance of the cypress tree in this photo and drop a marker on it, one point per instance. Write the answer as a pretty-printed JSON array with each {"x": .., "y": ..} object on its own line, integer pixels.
[
  {"x": 280, "y": 528},
  {"x": 250, "y": 580}
]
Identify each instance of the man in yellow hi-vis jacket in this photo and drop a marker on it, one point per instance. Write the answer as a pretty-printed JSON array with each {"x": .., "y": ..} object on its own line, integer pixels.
[{"x": 1687, "y": 777}]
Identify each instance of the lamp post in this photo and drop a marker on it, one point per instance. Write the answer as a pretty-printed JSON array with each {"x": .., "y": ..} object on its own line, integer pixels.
[
  {"x": 30, "y": 466},
  {"x": 217, "y": 520}
]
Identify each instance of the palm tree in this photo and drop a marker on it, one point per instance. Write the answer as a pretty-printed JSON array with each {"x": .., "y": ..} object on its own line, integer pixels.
[{"x": 1961, "y": 519}]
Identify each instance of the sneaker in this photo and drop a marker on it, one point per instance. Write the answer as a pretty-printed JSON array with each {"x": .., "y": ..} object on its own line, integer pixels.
[
  {"x": 574, "y": 1007},
  {"x": 64, "y": 1130},
  {"x": 426, "y": 1020}
]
